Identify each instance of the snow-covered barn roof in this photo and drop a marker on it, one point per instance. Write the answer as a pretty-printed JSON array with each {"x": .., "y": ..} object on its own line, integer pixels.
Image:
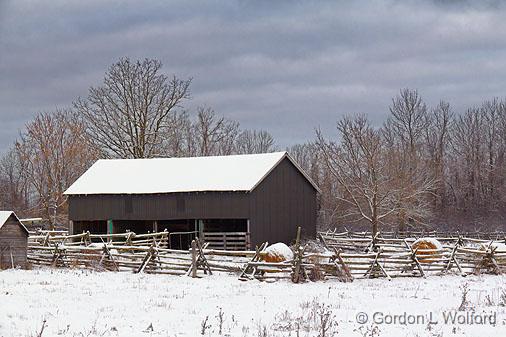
[
  {"x": 4, "y": 216},
  {"x": 171, "y": 175}
]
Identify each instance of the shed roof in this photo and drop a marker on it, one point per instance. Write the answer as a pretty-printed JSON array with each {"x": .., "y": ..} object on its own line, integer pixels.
[
  {"x": 5, "y": 215},
  {"x": 172, "y": 175}
]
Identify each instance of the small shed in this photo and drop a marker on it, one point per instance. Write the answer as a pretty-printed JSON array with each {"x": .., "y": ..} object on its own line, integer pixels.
[{"x": 13, "y": 241}]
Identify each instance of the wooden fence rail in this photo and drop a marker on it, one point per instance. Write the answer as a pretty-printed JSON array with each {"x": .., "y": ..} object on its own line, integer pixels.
[
  {"x": 496, "y": 235},
  {"x": 344, "y": 258},
  {"x": 216, "y": 240},
  {"x": 227, "y": 240}
]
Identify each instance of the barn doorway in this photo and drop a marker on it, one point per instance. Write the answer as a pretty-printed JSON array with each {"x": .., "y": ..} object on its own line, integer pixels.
[
  {"x": 94, "y": 227},
  {"x": 181, "y": 232},
  {"x": 225, "y": 225},
  {"x": 226, "y": 234},
  {"x": 136, "y": 226}
]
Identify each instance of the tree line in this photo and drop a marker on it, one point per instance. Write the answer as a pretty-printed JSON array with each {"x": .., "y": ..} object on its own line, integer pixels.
[
  {"x": 424, "y": 166},
  {"x": 137, "y": 112}
]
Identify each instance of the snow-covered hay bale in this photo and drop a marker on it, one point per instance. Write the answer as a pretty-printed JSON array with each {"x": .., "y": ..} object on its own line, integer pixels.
[
  {"x": 278, "y": 252},
  {"x": 423, "y": 244}
]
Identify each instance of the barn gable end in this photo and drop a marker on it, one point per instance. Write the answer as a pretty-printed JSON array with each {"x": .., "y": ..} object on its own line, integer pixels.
[{"x": 283, "y": 201}]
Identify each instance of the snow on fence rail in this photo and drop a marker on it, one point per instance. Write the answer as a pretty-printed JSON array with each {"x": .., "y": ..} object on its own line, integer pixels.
[
  {"x": 129, "y": 252},
  {"x": 129, "y": 238},
  {"x": 497, "y": 235},
  {"x": 344, "y": 258},
  {"x": 397, "y": 257}
]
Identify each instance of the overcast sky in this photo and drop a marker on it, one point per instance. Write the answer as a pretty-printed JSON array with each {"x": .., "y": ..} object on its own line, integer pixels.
[{"x": 283, "y": 66}]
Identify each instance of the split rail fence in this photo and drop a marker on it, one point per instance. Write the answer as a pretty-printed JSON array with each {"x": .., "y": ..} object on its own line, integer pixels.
[{"x": 346, "y": 256}]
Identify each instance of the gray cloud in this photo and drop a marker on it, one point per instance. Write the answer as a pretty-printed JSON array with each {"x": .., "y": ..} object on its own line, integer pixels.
[{"x": 285, "y": 66}]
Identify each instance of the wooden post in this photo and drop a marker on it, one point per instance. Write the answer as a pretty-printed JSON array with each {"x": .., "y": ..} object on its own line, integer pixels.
[
  {"x": 490, "y": 256},
  {"x": 322, "y": 240},
  {"x": 87, "y": 239},
  {"x": 109, "y": 227},
  {"x": 12, "y": 259},
  {"x": 248, "y": 276},
  {"x": 248, "y": 236},
  {"x": 347, "y": 277},
  {"x": 248, "y": 241},
  {"x": 46, "y": 240},
  {"x": 194, "y": 259},
  {"x": 201, "y": 230},
  {"x": 297, "y": 260},
  {"x": 452, "y": 259},
  {"x": 146, "y": 260},
  {"x": 414, "y": 258}
]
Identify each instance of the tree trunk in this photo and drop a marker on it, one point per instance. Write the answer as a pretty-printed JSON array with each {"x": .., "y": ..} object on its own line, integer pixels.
[{"x": 374, "y": 224}]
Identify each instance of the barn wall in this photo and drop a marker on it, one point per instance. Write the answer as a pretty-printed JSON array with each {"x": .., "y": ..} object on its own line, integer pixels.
[
  {"x": 14, "y": 236},
  {"x": 281, "y": 203},
  {"x": 202, "y": 205}
]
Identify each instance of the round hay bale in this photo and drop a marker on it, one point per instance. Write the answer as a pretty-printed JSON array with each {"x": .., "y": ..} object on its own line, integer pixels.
[
  {"x": 278, "y": 252},
  {"x": 426, "y": 244}
]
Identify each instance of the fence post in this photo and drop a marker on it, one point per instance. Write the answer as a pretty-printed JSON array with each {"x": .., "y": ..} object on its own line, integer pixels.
[
  {"x": 87, "y": 239},
  {"x": 248, "y": 241},
  {"x": 194, "y": 259},
  {"x": 297, "y": 259}
]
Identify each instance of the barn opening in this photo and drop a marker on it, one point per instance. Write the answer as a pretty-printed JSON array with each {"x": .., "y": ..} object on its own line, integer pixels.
[{"x": 220, "y": 233}]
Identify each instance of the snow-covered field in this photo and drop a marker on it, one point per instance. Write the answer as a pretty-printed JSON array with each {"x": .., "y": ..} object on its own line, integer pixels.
[{"x": 84, "y": 303}]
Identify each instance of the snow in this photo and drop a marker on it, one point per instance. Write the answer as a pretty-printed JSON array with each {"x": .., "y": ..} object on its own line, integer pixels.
[
  {"x": 85, "y": 303},
  {"x": 499, "y": 247},
  {"x": 433, "y": 241},
  {"x": 167, "y": 175},
  {"x": 278, "y": 252},
  {"x": 4, "y": 215}
]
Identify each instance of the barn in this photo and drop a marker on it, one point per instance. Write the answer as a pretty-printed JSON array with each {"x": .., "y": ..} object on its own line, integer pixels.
[
  {"x": 242, "y": 200},
  {"x": 13, "y": 241}
]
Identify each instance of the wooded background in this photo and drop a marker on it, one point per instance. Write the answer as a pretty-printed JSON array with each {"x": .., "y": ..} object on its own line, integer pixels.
[{"x": 424, "y": 167}]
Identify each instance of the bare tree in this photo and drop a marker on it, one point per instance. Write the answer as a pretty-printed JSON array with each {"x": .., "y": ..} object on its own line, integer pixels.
[
  {"x": 468, "y": 157},
  {"x": 253, "y": 141},
  {"x": 437, "y": 140},
  {"x": 128, "y": 115},
  {"x": 364, "y": 169},
  {"x": 178, "y": 139},
  {"x": 478, "y": 162},
  {"x": 408, "y": 120},
  {"x": 13, "y": 186},
  {"x": 55, "y": 151},
  {"x": 213, "y": 135},
  {"x": 404, "y": 133},
  {"x": 309, "y": 157}
]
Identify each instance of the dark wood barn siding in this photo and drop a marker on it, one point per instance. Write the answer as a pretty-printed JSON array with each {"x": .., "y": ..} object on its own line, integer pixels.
[
  {"x": 201, "y": 205},
  {"x": 13, "y": 239},
  {"x": 281, "y": 203}
]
